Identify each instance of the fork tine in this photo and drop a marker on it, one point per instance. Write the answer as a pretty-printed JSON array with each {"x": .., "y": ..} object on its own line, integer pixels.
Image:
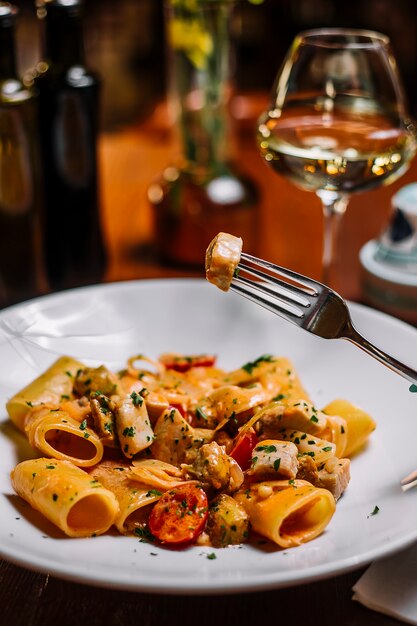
[
  {"x": 308, "y": 286},
  {"x": 289, "y": 311},
  {"x": 286, "y": 291}
]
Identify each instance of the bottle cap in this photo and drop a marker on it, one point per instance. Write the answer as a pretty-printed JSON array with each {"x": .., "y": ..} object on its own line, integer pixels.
[
  {"x": 58, "y": 3},
  {"x": 8, "y": 14},
  {"x": 59, "y": 7}
]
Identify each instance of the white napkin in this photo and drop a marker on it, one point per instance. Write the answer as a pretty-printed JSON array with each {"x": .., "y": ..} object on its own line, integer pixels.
[{"x": 390, "y": 586}]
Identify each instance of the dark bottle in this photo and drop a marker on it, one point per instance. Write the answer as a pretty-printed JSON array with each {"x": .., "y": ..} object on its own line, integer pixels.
[
  {"x": 19, "y": 176},
  {"x": 69, "y": 98}
]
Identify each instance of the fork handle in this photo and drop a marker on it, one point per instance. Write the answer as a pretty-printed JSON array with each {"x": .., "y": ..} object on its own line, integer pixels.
[{"x": 405, "y": 371}]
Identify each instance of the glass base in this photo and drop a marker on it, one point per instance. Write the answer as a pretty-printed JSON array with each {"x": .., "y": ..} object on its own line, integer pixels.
[{"x": 190, "y": 209}]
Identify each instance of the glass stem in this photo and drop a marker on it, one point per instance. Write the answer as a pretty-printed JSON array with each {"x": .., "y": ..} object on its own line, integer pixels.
[{"x": 334, "y": 206}]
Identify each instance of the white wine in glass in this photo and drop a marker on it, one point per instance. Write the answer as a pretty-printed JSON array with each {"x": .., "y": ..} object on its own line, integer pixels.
[{"x": 338, "y": 122}]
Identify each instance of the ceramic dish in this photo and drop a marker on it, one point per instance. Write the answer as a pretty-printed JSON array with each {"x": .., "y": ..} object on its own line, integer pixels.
[{"x": 107, "y": 324}]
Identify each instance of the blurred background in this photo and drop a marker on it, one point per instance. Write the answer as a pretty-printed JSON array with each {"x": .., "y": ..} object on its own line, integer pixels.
[{"x": 125, "y": 42}]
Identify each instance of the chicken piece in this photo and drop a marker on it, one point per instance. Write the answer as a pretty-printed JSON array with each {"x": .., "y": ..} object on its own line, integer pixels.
[
  {"x": 320, "y": 450},
  {"x": 222, "y": 258},
  {"x": 176, "y": 441},
  {"x": 133, "y": 427},
  {"x": 212, "y": 466},
  {"x": 335, "y": 476},
  {"x": 274, "y": 458},
  {"x": 227, "y": 523},
  {"x": 102, "y": 412},
  {"x": 307, "y": 470},
  {"x": 92, "y": 379},
  {"x": 226, "y": 403},
  {"x": 156, "y": 404},
  {"x": 300, "y": 415},
  {"x": 303, "y": 415}
]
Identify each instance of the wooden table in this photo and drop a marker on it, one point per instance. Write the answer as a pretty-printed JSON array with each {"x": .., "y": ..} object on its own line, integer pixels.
[{"x": 291, "y": 235}]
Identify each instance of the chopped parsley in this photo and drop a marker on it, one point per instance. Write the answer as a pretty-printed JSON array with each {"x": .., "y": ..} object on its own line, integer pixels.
[
  {"x": 153, "y": 492},
  {"x": 136, "y": 398},
  {"x": 251, "y": 365},
  {"x": 144, "y": 534},
  {"x": 375, "y": 511},
  {"x": 211, "y": 556},
  {"x": 413, "y": 388},
  {"x": 83, "y": 424},
  {"x": 267, "y": 449},
  {"x": 129, "y": 431},
  {"x": 200, "y": 414}
]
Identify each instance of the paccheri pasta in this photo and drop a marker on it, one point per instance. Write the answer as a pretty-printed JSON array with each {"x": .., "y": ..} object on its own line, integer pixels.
[{"x": 179, "y": 451}]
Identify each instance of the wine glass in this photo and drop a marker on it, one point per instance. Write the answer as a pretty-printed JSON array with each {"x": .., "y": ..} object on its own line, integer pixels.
[{"x": 338, "y": 122}]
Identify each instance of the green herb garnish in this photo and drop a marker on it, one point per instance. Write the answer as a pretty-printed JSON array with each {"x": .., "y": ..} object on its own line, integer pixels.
[{"x": 251, "y": 365}]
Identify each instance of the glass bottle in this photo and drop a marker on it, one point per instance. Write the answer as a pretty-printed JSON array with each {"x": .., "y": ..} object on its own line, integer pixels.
[
  {"x": 206, "y": 192},
  {"x": 69, "y": 99},
  {"x": 19, "y": 175}
]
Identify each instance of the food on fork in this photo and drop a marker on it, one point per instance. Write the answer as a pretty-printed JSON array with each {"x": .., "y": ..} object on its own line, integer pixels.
[
  {"x": 305, "y": 302},
  {"x": 222, "y": 258},
  {"x": 178, "y": 451}
]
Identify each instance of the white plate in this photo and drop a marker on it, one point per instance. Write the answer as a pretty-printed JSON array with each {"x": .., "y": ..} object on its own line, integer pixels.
[{"x": 107, "y": 324}]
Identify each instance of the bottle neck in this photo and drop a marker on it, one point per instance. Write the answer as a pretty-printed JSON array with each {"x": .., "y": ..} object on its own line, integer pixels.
[
  {"x": 63, "y": 38},
  {"x": 7, "y": 53}
]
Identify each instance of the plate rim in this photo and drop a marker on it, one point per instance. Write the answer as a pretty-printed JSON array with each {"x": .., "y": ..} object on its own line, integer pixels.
[{"x": 75, "y": 573}]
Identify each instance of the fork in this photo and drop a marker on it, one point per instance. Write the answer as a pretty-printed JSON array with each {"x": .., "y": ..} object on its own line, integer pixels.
[{"x": 307, "y": 304}]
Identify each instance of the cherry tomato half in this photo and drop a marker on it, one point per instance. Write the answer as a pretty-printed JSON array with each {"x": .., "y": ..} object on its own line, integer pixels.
[
  {"x": 182, "y": 363},
  {"x": 242, "y": 449},
  {"x": 180, "y": 515}
]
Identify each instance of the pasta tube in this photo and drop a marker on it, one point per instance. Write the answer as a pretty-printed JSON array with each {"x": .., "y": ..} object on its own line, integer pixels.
[
  {"x": 359, "y": 424},
  {"x": 49, "y": 388},
  {"x": 338, "y": 434},
  {"x": 57, "y": 434},
  {"x": 287, "y": 513},
  {"x": 277, "y": 375},
  {"x": 66, "y": 495},
  {"x": 133, "y": 497}
]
